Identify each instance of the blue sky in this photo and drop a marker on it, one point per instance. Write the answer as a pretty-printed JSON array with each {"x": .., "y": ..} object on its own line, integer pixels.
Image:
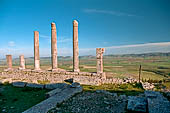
[{"x": 121, "y": 26}]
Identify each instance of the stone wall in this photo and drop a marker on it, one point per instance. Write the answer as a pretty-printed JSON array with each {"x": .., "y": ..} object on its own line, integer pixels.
[{"x": 58, "y": 77}]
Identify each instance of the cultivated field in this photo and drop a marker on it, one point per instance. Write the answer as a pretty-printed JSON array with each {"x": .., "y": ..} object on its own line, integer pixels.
[{"x": 153, "y": 67}]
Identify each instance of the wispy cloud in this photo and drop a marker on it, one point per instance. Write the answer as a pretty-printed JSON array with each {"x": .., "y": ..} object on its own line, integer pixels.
[
  {"x": 45, "y": 36},
  {"x": 131, "y": 49},
  {"x": 61, "y": 39},
  {"x": 11, "y": 43},
  {"x": 141, "y": 45},
  {"x": 64, "y": 40},
  {"x": 109, "y": 12}
]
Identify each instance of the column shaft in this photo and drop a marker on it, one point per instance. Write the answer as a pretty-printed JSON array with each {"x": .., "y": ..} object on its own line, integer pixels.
[
  {"x": 22, "y": 62},
  {"x": 54, "y": 46},
  {"x": 99, "y": 56},
  {"x": 36, "y": 51},
  {"x": 75, "y": 47},
  {"x": 9, "y": 61}
]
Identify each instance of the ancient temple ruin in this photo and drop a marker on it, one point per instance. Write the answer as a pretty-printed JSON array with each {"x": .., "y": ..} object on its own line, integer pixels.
[{"x": 54, "y": 60}]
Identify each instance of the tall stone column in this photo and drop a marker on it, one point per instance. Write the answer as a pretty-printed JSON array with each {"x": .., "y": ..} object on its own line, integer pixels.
[
  {"x": 99, "y": 56},
  {"x": 22, "y": 62},
  {"x": 9, "y": 61},
  {"x": 36, "y": 51},
  {"x": 54, "y": 47},
  {"x": 75, "y": 47}
]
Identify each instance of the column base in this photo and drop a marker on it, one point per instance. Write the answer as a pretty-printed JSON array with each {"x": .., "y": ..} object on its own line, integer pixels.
[
  {"x": 36, "y": 70},
  {"x": 8, "y": 69},
  {"x": 99, "y": 72},
  {"x": 58, "y": 70},
  {"x": 20, "y": 68},
  {"x": 76, "y": 70}
]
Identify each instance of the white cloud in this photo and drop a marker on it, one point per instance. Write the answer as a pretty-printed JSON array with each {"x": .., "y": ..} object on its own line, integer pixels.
[
  {"x": 131, "y": 49},
  {"x": 115, "y": 13},
  {"x": 140, "y": 45},
  {"x": 11, "y": 43},
  {"x": 64, "y": 40}
]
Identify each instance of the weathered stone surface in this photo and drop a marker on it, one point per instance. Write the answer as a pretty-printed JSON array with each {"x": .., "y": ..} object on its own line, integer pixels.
[
  {"x": 54, "y": 47},
  {"x": 19, "y": 84},
  {"x": 69, "y": 80},
  {"x": 53, "y": 92},
  {"x": 22, "y": 62},
  {"x": 58, "y": 70},
  {"x": 36, "y": 51},
  {"x": 75, "y": 47},
  {"x": 9, "y": 80},
  {"x": 157, "y": 103},
  {"x": 32, "y": 85},
  {"x": 92, "y": 102},
  {"x": 147, "y": 86},
  {"x": 85, "y": 73},
  {"x": 99, "y": 56},
  {"x": 152, "y": 94},
  {"x": 75, "y": 85},
  {"x": 51, "y": 102},
  {"x": 9, "y": 61},
  {"x": 57, "y": 85},
  {"x": 137, "y": 104},
  {"x": 56, "y": 77}
]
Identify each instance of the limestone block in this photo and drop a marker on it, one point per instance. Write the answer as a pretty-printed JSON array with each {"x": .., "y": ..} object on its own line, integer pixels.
[
  {"x": 19, "y": 84},
  {"x": 56, "y": 85},
  {"x": 53, "y": 92},
  {"x": 32, "y": 85},
  {"x": 137, "y": 104}
]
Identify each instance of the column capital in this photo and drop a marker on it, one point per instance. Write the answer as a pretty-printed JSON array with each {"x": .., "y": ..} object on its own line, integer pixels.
[
  {"x": 53, "y": 26},
  {"x": 75, "y": 23}
]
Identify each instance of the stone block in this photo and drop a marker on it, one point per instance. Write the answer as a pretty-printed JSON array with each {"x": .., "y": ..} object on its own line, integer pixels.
[
  {"x": 53, "y": 92},
  {"x": 137, "y": 104},
  {"x": 56, "y": 85},
  {"x": 75, "y": 85},
  {"x": 157, "y": 103},
  {"x": 32, "y": 85},
  {"x": 19, "y": 84}
]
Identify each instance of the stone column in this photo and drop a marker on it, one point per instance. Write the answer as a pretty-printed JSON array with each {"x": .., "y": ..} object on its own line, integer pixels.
[
  {"x": 75, "y": 47},
  {"x": 36, "y": 51},
  {"x": 9, "y": 61},
  {"x": 99, "y": 56},
  {"x": 54, "y": 47},
  {"x": 22, "y": 62}
]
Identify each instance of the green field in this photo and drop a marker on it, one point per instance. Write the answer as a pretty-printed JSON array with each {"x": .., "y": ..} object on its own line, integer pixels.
[{"x": 153, "y": 67}]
